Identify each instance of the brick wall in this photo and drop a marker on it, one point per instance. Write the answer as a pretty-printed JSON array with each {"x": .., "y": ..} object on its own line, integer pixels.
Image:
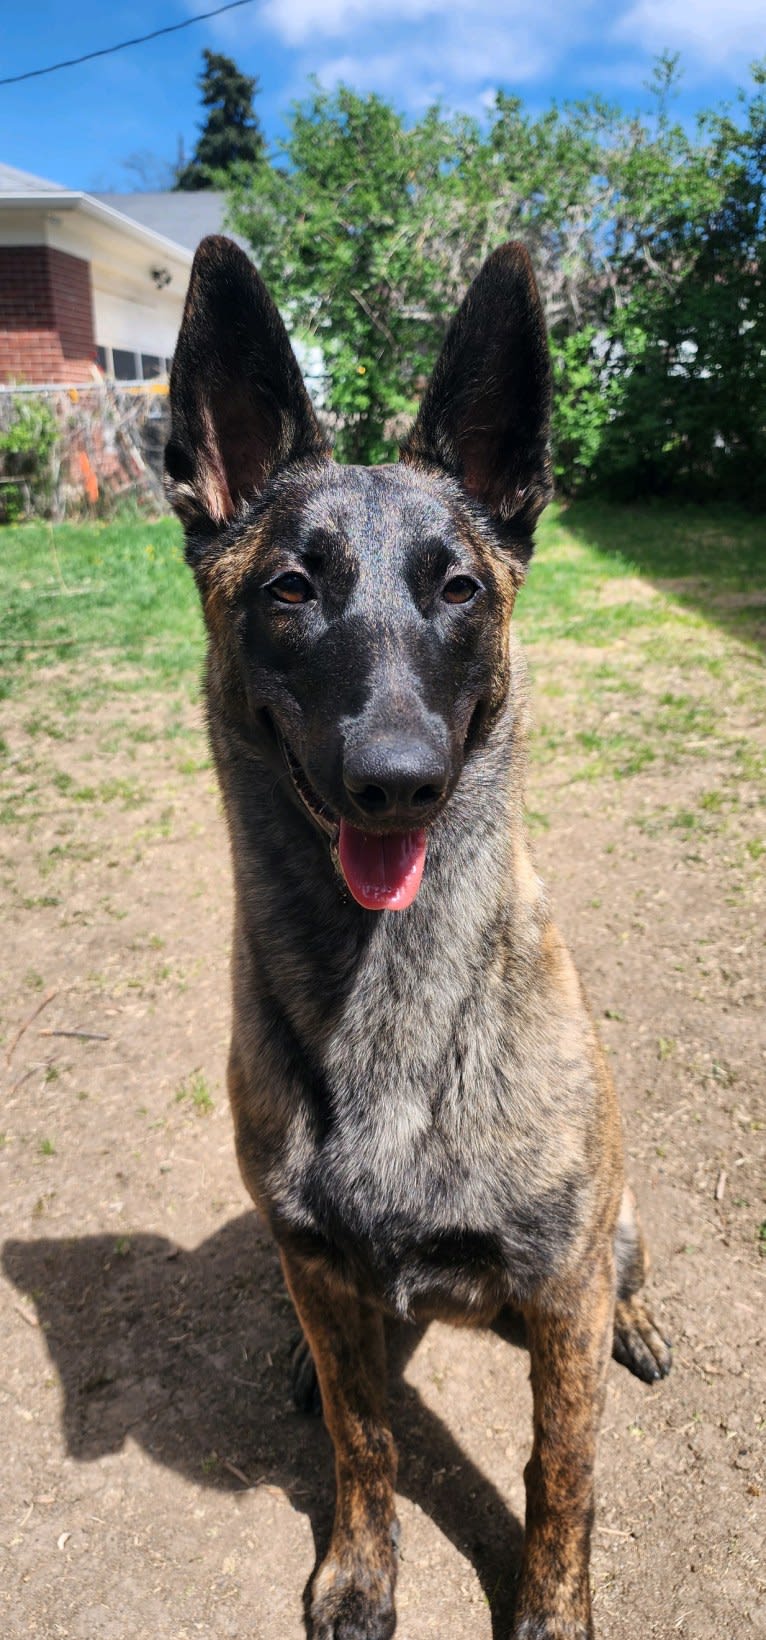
[{"x": 46, "y": 315}]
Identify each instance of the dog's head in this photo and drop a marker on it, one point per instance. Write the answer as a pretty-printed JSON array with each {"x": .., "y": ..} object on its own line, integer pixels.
[{"x": 358, "y": 617}]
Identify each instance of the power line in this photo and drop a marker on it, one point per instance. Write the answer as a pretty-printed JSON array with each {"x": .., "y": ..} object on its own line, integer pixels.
[{"x": 106, "y": 51}]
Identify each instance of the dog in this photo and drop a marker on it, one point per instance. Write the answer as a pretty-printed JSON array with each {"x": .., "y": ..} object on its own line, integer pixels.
[{"x": 422, "y": 1109}]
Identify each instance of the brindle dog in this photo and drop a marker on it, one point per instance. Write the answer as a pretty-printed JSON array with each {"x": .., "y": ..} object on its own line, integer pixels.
[{"x": 423, "y": 1112}]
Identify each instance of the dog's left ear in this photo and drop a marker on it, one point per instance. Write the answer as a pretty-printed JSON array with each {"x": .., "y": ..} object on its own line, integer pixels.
[
  {"x": 238, "y": 402},
  {"x": 485, "y": 416}
]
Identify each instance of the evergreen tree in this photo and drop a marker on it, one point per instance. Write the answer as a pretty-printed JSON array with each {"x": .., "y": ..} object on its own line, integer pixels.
[{"x": 231, "y": 133}]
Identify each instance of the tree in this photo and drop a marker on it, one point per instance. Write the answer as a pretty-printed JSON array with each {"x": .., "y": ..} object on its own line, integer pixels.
[
  {"x": 685, "y": 361},
  {"x": 231, "y": 134},
  {"x": 649, "y": 244},
  {"x": 150, "y": 173},
  {"x": 342, "y": 235},
  {"x": 371, "y": 232}
]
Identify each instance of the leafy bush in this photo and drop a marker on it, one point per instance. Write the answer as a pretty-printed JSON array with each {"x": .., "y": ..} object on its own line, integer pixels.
[
  {"x": 27, "y": 447},
  {"x": 648, "y": 241}
]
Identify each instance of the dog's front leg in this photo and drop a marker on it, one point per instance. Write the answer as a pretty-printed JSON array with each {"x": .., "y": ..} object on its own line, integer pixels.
[
  {"x": 570, "y": 1345},
  {"x": 353, "y": 1591}
]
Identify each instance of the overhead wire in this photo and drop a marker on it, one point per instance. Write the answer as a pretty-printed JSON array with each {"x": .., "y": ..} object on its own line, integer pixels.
[{"x": 139, "y": 40}]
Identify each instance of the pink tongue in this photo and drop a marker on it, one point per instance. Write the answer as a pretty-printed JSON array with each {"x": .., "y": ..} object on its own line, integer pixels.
[{"x": 383, "y": 873}]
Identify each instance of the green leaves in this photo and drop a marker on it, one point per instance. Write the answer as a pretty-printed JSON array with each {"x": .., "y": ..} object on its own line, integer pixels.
[
  {"x": 647, "y": 241},
  {"x": 345, "y": 232}
]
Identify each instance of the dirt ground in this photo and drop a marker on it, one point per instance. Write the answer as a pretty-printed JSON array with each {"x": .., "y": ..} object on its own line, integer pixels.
[{"x": 158, "y": 1483}]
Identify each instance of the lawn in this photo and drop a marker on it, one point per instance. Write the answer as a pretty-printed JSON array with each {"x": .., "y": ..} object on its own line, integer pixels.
[{"x": 156, "y": 1466}]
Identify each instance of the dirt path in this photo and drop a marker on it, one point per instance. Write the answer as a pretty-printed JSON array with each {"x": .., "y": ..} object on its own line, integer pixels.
[{"x": 158, "y": 1484}]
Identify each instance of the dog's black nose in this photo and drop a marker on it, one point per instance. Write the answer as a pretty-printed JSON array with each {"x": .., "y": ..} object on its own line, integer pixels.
[{"x": 395, "y": 778}]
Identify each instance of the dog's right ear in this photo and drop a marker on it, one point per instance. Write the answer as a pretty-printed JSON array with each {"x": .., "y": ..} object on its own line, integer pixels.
[{"x": 239, "y": 406}]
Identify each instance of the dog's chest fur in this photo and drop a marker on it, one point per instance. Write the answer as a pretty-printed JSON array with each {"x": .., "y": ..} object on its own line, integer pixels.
[{"x": 408, "y": 1120}]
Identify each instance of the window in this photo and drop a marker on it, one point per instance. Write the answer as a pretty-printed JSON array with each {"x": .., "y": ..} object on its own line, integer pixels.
[
  {"x": 126, "y": 365},
  {"x": 121, "y": 365}
]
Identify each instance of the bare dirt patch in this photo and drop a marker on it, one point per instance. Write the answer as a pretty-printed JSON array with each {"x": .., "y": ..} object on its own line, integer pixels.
[{"x": 159, "y": 1484}]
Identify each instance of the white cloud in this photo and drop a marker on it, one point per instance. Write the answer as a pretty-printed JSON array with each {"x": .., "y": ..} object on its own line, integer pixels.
[
  {"x": 425, "y": 71},
  {"x": 530, "y": 31},
  {"x": 704, "y": 31},
  {"x": 415, "y": 51},
  {"x": 299, "y": 22}
]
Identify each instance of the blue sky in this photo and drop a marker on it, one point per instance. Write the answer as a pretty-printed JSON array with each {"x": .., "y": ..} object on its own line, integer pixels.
[{"x": 79, "y": 126}]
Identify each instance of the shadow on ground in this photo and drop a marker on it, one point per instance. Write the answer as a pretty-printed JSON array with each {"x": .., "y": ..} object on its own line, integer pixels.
[
  {"x": 710, "y": 559},
  {"x": 189, "y": 1352}
]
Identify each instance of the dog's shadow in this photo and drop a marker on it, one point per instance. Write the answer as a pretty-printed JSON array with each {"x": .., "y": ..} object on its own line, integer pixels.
[{"x": 189, "y": 1352}]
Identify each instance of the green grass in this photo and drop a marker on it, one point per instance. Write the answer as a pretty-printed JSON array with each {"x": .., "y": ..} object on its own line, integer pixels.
[
  {"x": 699, "y": 561},
  {"x": 644, "y": 629},
  {"x": 195, "y": 1089},
  {"x": 92, "y": 595}
]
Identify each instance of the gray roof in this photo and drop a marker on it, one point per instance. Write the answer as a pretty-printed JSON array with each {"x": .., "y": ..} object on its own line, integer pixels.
[
  {"x": 23, "y": 182},
  {"x": 183, "y": 217},
  {"x": 178, "y": 220}
]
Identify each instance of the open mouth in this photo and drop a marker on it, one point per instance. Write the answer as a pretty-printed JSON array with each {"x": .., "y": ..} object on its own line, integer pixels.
[
  {"x": 383, "y": 871},
  {"x": 319, "y": 810}
]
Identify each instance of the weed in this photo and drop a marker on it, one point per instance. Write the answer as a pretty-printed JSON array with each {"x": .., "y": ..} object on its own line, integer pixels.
[
  {"x": 46, "y": 1147},
  {"x": 684, "y": 820},
  {"x": 195, "y": 1089}
]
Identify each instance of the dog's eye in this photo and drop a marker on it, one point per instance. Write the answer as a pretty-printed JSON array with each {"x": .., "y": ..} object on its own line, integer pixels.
[
  {"x": 292, "y": 589},
  {"x": 460, "y": 590}
]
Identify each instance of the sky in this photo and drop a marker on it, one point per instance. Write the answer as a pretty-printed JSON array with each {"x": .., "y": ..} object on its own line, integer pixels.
[{"x": 81, "y": 125}]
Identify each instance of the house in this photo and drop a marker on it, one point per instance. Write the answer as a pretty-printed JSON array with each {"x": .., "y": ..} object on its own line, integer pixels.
[{"x": 93, "y": 284}]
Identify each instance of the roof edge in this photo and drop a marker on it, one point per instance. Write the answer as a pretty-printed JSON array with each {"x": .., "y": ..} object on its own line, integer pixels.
[{"x": 73, "y": 201}]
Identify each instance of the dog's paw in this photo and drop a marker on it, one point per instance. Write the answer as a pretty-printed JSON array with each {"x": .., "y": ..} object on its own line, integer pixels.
[
  {"x": 348, "y": 1603},
  {"x": 551, "y": 1628},
  {"x": 637, "y": 1343},
  {"x": 305, "y": 1384}
]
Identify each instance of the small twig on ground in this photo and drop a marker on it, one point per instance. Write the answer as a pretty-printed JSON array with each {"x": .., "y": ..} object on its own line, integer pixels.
[
  {"x": 27, "y": 1022},
  {"x": 720, "y": 1185},
  {"x": 23, "y": 1077},
  {"x": 238, "y": 1474},
  {"x": 31, "y": 1320},
  {"x": 67, "y": 592},
  {"x": 83, "y": 1036}
]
